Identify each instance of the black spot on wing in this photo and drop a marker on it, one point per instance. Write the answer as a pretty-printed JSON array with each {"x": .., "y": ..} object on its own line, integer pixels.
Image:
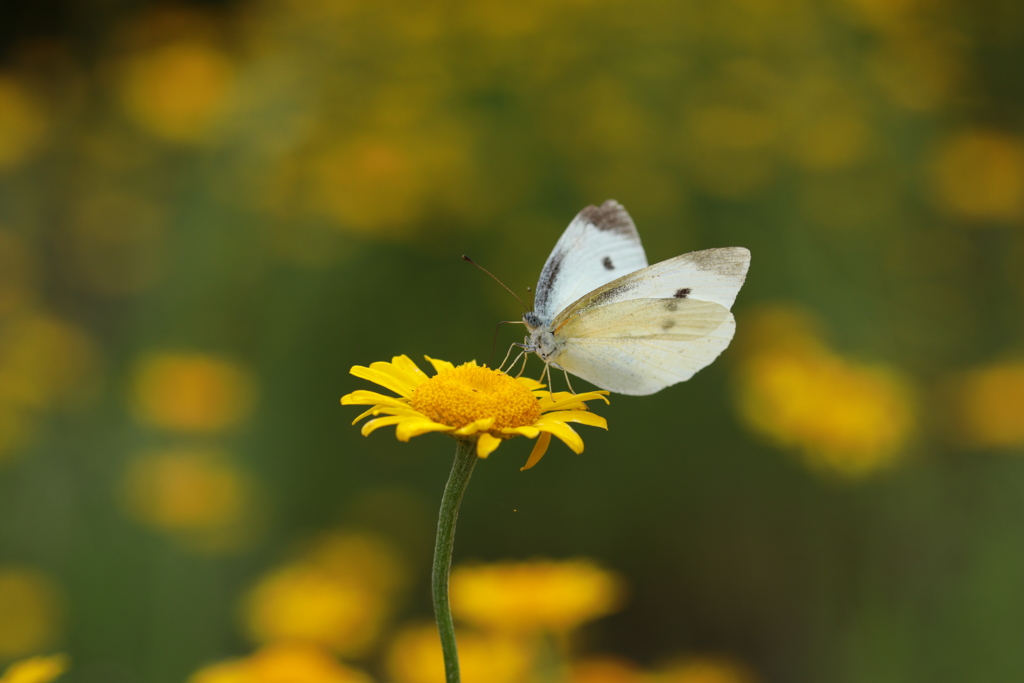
[
  {"x": 667, "y": 324},
  {"x": 610, "y": 216},
  {"x": 671, "y": 305},
  {"x": 682, "y": 293},
  {"x": 607, "y": 263}
]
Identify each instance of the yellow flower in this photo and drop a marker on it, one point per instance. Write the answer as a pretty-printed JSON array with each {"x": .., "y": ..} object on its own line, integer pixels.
[
  {"x": 978, "y": 175},
  {"x": 192, "y": 392},
  {"x": 177, "y": 91},
  {"x": 472, "y": 402},
  {"x": 705, "y": 670},
  {"x": 280, "y": 663},
  {"x": 199, "y": 494},
  {"x": 31, "y": 611},
  {"x": 848, "y": 417},
  {"x": 990, "y": 405},
  {"x": 529, "y": 596},
  {"x": 415, "y": 657},
  {"x": 337, "y": 595},
  {"x": 36, "y": 670},
  {"x": 22, "y": 123},
  {"x": 606, "y": 669}
]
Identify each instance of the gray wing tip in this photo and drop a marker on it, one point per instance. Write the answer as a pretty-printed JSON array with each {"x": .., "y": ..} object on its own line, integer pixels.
[
  {"x": 726, "y": 260},
  {"x": 610, "y": 216}
]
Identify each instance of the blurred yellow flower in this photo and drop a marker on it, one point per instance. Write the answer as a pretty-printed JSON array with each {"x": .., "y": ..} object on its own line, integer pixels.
[
  {"x": 543, "y": 595},
  {"x": 732, "y": 148},
  {"x": 831, "y": 136},
  {"x": 884, "y": 14},
  {"x": 605, "y": 669},
  {"x": 36, "y": 670},
  {"x": 192, "y": 392},
  {"x": 338, "y": 595},
  {"x": 415, "y": 657},
  {"x": 365, "y": 557},
  {"x": 471, "y": 402},
  {"x": 43, "y": 360},
  {"x": 990, "y": 405},
  {"x": 281, "y": 663},
  {"x": 704, "y": 670},
  {"x": 16, "y": 428},
  {"x": 115, "y": 241},
  {"x": 21, "y": 123},
  {"x": 843, "y": 416},
  {"x": 198, "y": 493},
  {"x": 919, "y": 70},
  {"x": 380, "y": 182},
  {"x": 177, "y": 91},
  {"x": 17, "y": 273},
  {"x": 31, "y": 611},
  {"x": 979, "y": 175}
]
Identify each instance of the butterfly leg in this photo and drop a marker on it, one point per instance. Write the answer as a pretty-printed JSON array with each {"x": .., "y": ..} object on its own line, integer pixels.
[
  {"x": 513, "y": 363},
  {"x": 525, "y": 356},
  {"x": 566, "y": 373},
  {"x": 547, "y": 371},
  {"x": 507, "y": 354}
]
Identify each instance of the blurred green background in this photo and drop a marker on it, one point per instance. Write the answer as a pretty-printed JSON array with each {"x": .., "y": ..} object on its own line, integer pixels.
[{"x": 210, "y": 212}]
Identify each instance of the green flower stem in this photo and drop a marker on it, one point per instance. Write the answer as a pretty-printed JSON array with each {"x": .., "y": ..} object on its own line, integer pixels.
[{"x": 462, "y": 468}]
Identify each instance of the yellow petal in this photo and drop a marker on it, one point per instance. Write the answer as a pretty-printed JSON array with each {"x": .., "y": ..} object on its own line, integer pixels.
[
  {"x": 371, "y": 411},
  {"x": 385, "y": 380},
  {"x": 374, "y": 425},
  {"x": 403, "y": 410},
  {"x": 564, "y": 399},
  {"x": 407, "y": 380},
  {"x": 406, "y": 364},
  {"x": 486, "y": 444},
  {"x": 582, "y": 416},
  {"x": 539, "y": 449},
  {"x": 411, "y": 427},
  {"x": 482, "y": 424},
  {"x": 527, "y": 431},
  {"x": 563, "y": 432},
  {"x": 530, "y": 383},
  {"x": 439, "y": 365},
  {"x": 370, "y": 398}
]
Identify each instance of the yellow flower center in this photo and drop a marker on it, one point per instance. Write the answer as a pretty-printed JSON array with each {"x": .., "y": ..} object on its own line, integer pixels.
[{"x": 468, "y": 393}]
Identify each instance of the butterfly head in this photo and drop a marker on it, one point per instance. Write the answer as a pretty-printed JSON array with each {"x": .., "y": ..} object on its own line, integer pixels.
[{"x": 541, "y": 341}]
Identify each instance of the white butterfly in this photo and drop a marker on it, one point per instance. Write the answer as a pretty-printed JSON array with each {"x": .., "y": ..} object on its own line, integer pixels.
[{"x": 603, "y": 314}]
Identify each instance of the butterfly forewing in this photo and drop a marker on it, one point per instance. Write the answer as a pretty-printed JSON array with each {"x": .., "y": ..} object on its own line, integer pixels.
[
  {"x": 714, "y": 275},
  {"x": 600, "y": 245}
]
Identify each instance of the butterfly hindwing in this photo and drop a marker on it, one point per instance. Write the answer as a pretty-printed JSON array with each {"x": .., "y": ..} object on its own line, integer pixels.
[
  {"x": 601, "y": 244},
  {"x": 643, "y": 365},
  {"x": 639, "y": 346}
]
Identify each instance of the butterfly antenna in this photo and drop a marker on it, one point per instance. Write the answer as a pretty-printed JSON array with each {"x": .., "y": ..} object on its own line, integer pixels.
[
  {"x": 494, "y": 342},
  {"x": 466, "y": 258}
]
